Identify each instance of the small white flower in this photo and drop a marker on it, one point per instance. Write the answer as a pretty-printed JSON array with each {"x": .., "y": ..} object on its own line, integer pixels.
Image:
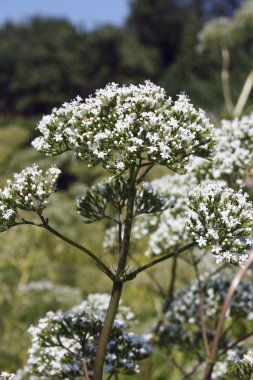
[{"x": 201, "y": 242}]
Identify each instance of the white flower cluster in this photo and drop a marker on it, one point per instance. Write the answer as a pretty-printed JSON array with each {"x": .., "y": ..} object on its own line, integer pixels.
[
  {"x": 235, "y": 365},
  {"x": 167, "y": 229},
  {"x": 7, "y": 376},
  {"x": 120, "y": 126},
  {"x": 28, "y": 191},
  {"x": 181, "y": 324},
  {"x": 61, "y": 340},
  {"x": 48, "y": 291},
  {"x": 111, "y": 239},
  {"x": 224, "y": 31},
  {"x": 212, "y": 215},
  {"x": 218, "y": 31},
  {"x": 220, "y": 369},
  {"x": 248, "y": 358},
  {"x": 231, "y": 163},
  {"x": 222, "y": 218},
  {"x": 233, "y": 158}
]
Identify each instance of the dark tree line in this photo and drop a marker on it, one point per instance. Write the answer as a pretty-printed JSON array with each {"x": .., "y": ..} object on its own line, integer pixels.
[{"x": 48, "y": 61}]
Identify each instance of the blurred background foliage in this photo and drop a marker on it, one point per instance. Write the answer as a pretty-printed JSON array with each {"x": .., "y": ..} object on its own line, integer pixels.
[{"x": 45, "y": 62}]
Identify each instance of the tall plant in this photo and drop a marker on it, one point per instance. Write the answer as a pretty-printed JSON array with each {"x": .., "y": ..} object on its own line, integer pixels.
[
  {"x": 225, "y": 33},
  {"x": 129, "y": 130}
]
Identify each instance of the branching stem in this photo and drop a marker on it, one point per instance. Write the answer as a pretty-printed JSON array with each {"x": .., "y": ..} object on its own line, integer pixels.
[
  {"x": 117, "y": 283},
  {"x": 145, "y": 172},
  {"x": 133, "y": 274},
  {"x": 160, "y": 290},
  {"x": 242, "y": 339},
  {"x": 99, "y": 262},
  {"x": 231, "y": 290},
  {"x": 86, "y": 373}
]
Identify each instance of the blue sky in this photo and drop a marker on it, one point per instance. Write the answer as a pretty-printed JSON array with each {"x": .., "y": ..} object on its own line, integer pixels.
[{"x": 87, "y": 13}]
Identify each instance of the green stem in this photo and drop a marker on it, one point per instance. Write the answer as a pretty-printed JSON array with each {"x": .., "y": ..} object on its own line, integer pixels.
[
  {"x": 178, "y": 366},
  {"x": 107, "y": 328},
  {"x": 145, "y": 172},
  {"x": 110, "y": 376},
  {"x": 168, "y": 300},
  {"x": 160, "y": 290},
  {"x": 225, "y": 80},
  {"x": 149, "y": 362},
  {"x": 244, "y": 95},
  {"x": 240, "y": 340},
  {"x": 201, "y": 309},
  {"x": 170, "y": 294},
  {"x": 230, "y": 293},
  {"x": 133, "y": 274},
  {"x": 117, "y": 283},
  {"x": 99, "y": 262}
]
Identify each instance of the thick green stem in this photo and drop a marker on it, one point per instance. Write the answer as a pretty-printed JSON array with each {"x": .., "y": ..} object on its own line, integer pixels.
[
  {"x": 107, "y": 328},
  {"x": 244, "y": 95},
  {"x": 118, "y": 283},
  {"x": 225, "y": 80}
]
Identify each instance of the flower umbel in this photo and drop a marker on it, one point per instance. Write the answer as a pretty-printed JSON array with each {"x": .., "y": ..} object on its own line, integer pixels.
[
  {"x": 61, "y": 340},
  {"x": 121, "y": 126},
  {"x": 28, "y": 191},
  {"x": 182, "y": 323},
  {"x": 222, "y": 218}
]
